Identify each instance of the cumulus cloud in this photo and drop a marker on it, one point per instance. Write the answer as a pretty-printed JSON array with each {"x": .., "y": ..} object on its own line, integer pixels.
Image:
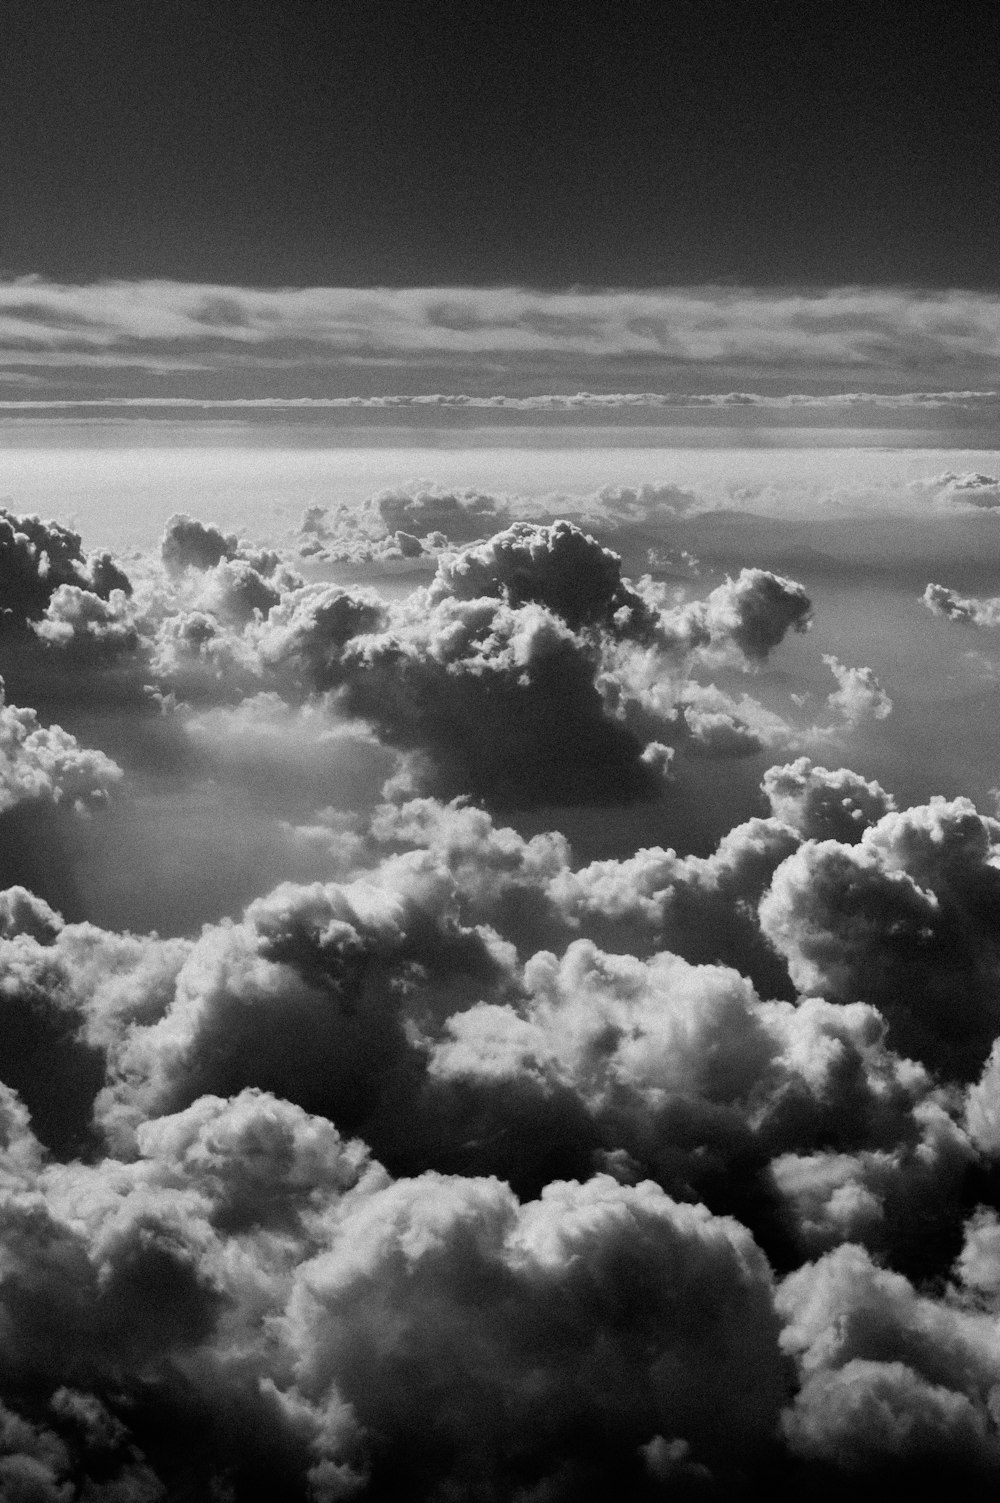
[
  {"x": 755, "y": 610},
  {"x": 969, "y": 490},
  {"x": 495, "y": 670},
  {"x": 190, "y": 544},
  {"x": 962, "y": 610},
  {"x": 558, "y": 567},
  {"x": 482, "y": 1166},
  {"x": 538, "y": 1344},
  {"x": 462, "y": 516},
  {"x": 860, "y": 696},
  {"x": 529, "y": 670},
  {"x": 247, "y": 1263},
  {"x": 888, "y": 1374},
  {"x": 905, "y": 918},
  {"x": 319, "y": 1326},
  {"x": 47, "y": 763},
  {"x": 38, "y": 558},
  {"x": 185, "y": 627},
  {"x": 825, "y": 805},
  {"x": 407, "y": 528}
]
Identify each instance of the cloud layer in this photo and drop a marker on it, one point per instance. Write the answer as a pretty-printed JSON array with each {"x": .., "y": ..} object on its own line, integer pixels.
[
  {"x": 461, "y": 1163},
  {"x": 192, "y": 333}
]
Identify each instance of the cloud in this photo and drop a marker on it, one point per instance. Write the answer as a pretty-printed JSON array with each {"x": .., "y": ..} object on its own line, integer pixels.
[
  {"x": 345, "y": 966},
  {"x": 189, "y": 544},
  {"x": 903, "y": 919},
  {"x": 963, "y": 611},
  {"x": 479, "y": 1165},
  {"x": 184, "y": 623},
  {"x": 88, "y": 628},
  {"x": 495, "y": 670},
  {"x": 462, "y": 516},
  {"x": 581, "y": 675},
  {"x": 973, "y": 404},
  {"x": 47, "y": 763},
  {"x": 968, "y": 490},
  {"x": 755, "y": 610},
  {"x": 38, "y": 558},
  {"x": 685, "y": 1074},
  {"x": 537, "y": 1345},
  {"x": 948, "y": 337},
  {"x": 408, "y": 528},
  {"x": 825, "y": 805},
  {"x": 315, "y": 1323},
  {"x": 860, "y": 696},
  {"x": 558, "y": 567},
  {"x": 887, "y": 1374}
]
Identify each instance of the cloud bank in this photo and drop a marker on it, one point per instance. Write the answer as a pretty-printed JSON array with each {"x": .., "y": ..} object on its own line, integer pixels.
[
  {"x": 189, "y": 332},
  {"x": 463, "y": 1164}
]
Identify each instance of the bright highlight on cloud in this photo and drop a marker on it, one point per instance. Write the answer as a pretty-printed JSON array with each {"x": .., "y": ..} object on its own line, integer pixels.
[{"x": 460, "y": 1163}]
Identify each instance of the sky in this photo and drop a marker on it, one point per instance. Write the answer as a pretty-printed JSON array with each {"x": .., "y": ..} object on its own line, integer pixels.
[
  {"x": 499, "y": 787},
  {"x": 448, "y": 144}
]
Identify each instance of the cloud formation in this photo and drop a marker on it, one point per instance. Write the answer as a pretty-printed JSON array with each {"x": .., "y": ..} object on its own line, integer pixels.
[
  {"x": 461, "y": 1154},
  {"x": 948, "y": 338},
  {"x": 962, "y": 610},
  {"x": 38, "y": 558},
  {"x": 46, "y": 763}
]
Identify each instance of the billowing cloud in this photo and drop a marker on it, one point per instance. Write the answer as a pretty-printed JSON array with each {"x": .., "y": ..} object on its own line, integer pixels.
[
  {"x": 38, "y": 558},
  {"x": 755, "y": 610},
  {"x": 47, "y": 763},
  {"x": 530, "y": 669},
  {"x": 962, "y": 610},
  {"x": 471, "y": 1156},
  {"x": 969, "y": 490},
  {"x": 905, "y": 918},
  {"x": 888, "y": 1375},
  {"x": 825, "y": 805},
  {"x": 314, "y": 1322},
  {"x": 544, "y": 1347},
  {"x": 860, "y": 696}
]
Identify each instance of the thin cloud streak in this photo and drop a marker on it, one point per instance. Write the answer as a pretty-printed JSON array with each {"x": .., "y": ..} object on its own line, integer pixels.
[{"x": 547, "y": 402}]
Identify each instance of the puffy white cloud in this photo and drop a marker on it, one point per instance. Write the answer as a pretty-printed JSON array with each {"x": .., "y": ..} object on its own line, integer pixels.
[
  {"x": 969, "y": 490},
  {"x": 314, "y": 1186},
  {"x": 963, "y": 610},
  {"x": 474, "y": 1336},
  {"x": 505, "y": 699},
  {"x": 46, "y": 762},
  {"x": 311, "y": 996},
  {"x": 822, "y": 804},
  {"x": 905, "y": 919},
  {"x": 887, "y": 1374},
  {"x": 37, "y": 558},
  {"x": 894, "y": 1200},
  {"x": 316, "y": 1324},
  {"x": 530, "y": 670},
  {"x": 860, "y": 696},
  {"x": 462, "y": 516},
  {"x": 755, "y": 610},
  {"x": 558, "y": 567},
  {"x": 190, "y": 544},
  {"x": 88, "y": 628}
]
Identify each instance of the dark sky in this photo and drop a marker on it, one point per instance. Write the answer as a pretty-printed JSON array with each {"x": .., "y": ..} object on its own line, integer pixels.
[{"x": 643, "y": 144}]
